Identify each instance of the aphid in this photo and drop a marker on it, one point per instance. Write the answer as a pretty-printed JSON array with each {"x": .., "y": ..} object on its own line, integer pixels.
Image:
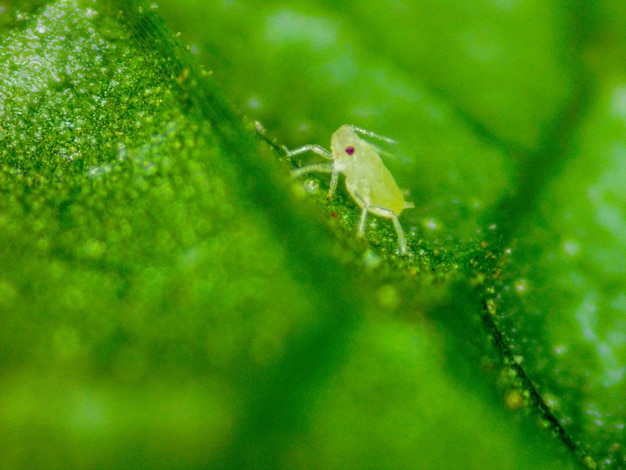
[{"x": 368, "y": 181}]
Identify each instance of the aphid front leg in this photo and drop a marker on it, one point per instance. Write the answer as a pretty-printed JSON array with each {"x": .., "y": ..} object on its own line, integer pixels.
[
  {"x": 320, "y": 168},
  {"x": 318, "y": 149},
  {"x": 316, "y": 167}
]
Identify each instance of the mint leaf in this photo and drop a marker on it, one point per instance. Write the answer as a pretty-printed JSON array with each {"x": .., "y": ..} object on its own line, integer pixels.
[{"x": 167, "y": 290}]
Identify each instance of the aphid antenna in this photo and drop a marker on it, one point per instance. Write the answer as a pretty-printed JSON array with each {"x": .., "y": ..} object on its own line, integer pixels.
[
  {"x": 360, "y": 130},
  {"x": 385, "y": 154}
]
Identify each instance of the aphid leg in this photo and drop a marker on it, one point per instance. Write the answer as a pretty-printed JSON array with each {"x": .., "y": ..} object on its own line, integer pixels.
[
  {"x": 312, "y": 148},
  {"x": 360, "y": 231},
  {"x": 314, "y": 167},
  {"x": 396, "y": 224},
  {"x": 333, "y": 183},
  {"x": 400, "y": 232}
]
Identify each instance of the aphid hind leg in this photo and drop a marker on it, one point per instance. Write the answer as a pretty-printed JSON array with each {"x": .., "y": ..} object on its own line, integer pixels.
[
  {"x": 402, "y": 245},
  {"x": 401, "y": 238}
]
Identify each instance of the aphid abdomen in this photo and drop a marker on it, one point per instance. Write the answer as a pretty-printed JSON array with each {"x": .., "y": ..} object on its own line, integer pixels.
[{"x": 376, "y": 187}]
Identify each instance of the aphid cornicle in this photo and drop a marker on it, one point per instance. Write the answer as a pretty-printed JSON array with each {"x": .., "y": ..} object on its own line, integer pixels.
[{"x": 368, "y": 181}]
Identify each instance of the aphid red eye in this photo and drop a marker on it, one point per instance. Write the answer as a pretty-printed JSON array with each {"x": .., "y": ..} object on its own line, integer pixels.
[{"x": 350, "y": 150}]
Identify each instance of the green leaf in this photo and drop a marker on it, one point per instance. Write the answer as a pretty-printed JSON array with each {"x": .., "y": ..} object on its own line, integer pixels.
[{"x": 171, "y": 297}]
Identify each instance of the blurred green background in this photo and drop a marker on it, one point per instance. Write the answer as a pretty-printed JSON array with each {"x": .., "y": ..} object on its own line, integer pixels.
[{"x": 170, "y": 297}]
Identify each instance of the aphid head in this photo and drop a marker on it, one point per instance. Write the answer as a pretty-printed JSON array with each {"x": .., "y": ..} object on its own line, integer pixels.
[{"x": 346, "y": 143}]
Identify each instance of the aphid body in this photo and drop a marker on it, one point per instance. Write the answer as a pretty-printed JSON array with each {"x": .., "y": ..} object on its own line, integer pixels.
[{"x": 368, "y": 181}]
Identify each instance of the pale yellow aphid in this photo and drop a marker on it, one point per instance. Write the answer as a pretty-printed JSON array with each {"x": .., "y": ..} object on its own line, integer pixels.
[{"x": 368, "y": 181}]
